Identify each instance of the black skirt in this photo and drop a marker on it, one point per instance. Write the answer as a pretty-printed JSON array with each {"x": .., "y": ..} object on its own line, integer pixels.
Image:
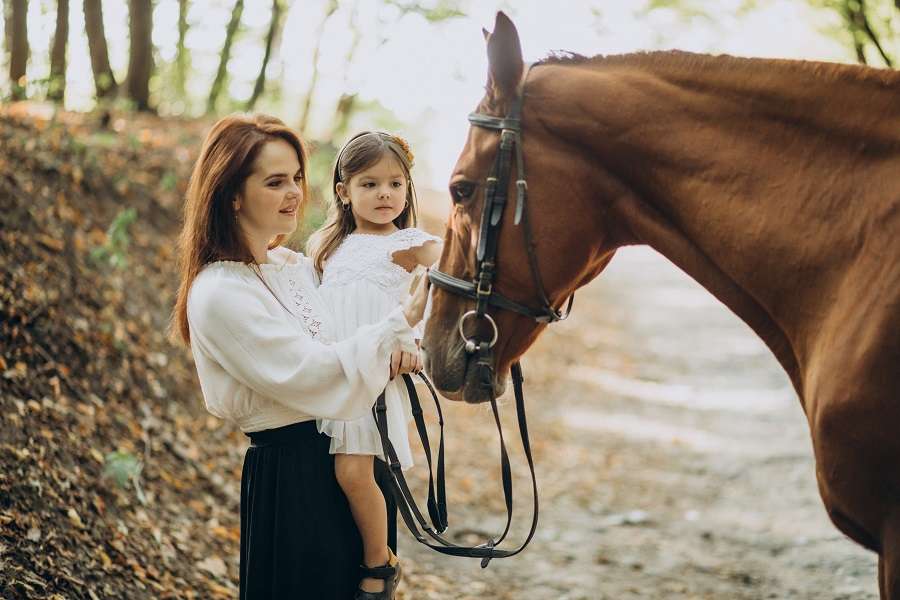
[{"x": 298, "y": 537}]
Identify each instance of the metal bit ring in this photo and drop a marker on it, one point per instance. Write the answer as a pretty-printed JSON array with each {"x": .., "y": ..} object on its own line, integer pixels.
[{"x": 470, "y": 343}]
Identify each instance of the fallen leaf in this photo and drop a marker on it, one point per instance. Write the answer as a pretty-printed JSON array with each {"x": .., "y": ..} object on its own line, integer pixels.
[
  {"x": 75, "y": 519},
  {"x": 213, "y": 565}
]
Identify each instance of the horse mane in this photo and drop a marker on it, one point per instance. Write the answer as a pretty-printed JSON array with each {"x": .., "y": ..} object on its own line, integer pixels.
[{"x": 670, "y": 61}]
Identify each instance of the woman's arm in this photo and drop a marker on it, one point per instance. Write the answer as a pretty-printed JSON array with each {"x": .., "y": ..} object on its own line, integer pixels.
[{"x": 252, "y": 339}]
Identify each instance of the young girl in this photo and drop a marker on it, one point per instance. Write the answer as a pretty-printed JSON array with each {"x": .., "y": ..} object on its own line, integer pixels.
[{"x": 367, "y": 252}]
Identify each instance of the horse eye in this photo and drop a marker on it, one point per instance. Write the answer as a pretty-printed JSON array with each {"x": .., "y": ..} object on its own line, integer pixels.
[{"x": 461, "y": 191}]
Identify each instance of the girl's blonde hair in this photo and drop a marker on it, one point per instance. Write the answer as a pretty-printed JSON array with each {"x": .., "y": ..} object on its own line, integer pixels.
[{"x": 361, "y": 152}]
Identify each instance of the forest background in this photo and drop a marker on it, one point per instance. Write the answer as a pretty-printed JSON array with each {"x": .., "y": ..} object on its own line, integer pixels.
[{"x": 113, "y": 480}]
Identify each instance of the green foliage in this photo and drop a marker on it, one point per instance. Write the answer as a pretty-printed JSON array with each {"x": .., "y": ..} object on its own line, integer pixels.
[
  {"x": 114, "y": 250},
  {"x": 169, "y": 181},
  {"x": 104, "y": 139},
  {"x": 443, "y": 10},
  {"x": 121, "y": 467},
  {"x": 870, "y": 27},
  {"x": 686, "y": 9},
  {"x": 124, "y": 468}
]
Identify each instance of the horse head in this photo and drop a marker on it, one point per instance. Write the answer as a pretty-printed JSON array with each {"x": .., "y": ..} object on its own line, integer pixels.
[{"x": 559, "y": 221}]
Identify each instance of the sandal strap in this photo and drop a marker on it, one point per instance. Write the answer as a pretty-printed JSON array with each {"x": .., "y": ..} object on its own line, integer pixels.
[{"x": 382, "y": 572}]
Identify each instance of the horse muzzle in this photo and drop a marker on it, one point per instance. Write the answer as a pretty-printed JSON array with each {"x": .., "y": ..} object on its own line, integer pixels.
[{"x": 457, "y": 376}]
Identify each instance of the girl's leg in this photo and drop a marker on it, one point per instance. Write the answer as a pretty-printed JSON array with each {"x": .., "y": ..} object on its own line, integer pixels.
[{"x": 355, "y": 475}]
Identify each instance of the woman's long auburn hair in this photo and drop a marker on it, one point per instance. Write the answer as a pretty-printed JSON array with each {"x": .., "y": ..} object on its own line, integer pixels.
[
  {"x": 211, "y": 231},
  {"x": 359, "y": 153}
]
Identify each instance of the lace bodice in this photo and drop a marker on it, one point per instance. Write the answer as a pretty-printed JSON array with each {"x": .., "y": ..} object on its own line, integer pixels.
[{"x": 369, "y": 257}]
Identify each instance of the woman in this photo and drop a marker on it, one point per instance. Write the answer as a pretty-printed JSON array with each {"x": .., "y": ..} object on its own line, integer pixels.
[{"x": 258, "y": 332}]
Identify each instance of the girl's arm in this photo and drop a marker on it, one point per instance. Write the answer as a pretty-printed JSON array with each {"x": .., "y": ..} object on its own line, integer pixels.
[{"x": 252, "y": 339}]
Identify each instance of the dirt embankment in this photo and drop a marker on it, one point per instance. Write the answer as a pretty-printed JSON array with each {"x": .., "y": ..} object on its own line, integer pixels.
[{"x": 86, "y": 371}]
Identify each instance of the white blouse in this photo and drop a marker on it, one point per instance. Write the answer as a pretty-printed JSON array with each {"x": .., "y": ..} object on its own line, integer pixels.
[{"x": 263, "y": 367}]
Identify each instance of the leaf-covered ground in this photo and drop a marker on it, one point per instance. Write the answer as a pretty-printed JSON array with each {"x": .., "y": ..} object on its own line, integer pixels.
[{"x": 86, "y": 370}]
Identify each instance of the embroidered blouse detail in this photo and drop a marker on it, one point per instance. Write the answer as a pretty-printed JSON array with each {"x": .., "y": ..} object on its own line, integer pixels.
[{"x": 305, "y": 311}]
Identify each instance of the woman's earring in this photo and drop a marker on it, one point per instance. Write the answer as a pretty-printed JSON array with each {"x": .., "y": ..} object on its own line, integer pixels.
[{"x": 346, "y": 206}]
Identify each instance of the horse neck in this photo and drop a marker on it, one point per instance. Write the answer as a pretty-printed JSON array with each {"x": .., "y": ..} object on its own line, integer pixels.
[{"x": 759, "y": 178}]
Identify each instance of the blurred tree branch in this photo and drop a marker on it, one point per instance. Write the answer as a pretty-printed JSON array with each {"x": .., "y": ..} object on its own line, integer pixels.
[
  {"x": 278, "y": 11},
  {"x": 181, "y": 52},
  {"x": 856, "y": 17},
  {"x": 861, "y": 20},
  {"x": 307, "y": 101},
  {"x": 222, "y": 72}
]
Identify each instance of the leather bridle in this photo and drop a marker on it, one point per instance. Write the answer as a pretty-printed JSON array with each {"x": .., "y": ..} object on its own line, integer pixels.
[
  {"x": 496, "y": 186},
  {"x": 481, "y": 291}
]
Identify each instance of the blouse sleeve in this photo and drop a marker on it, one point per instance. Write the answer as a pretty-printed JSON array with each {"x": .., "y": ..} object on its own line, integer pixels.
[
  {"x": 411, "y": 238},
  {"x": 232, "y": 324}
]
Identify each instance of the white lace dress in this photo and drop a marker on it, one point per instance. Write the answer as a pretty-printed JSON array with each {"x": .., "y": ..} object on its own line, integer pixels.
[{"x": 361, "y": 285}]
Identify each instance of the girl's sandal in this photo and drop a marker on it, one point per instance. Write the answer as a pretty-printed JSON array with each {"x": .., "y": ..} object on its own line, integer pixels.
[{"x": 390, "y": 572}]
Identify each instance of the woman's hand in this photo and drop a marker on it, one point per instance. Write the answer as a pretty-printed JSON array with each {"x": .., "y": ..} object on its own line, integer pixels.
[
  {"x": 405, "y": 362},
  {"x": 414, "y": 307}
]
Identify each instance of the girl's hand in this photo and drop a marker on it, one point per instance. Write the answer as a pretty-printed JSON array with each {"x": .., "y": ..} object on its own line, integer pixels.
[
  {"x": 405, "y": 362},
  {"x": 414, "y": 307}
]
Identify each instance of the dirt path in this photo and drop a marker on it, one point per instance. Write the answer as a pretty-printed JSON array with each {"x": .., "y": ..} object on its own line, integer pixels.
[{"x": 673, "y": 462}]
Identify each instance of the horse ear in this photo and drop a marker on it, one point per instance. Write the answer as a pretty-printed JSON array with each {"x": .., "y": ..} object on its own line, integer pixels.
[
  {"x": 504, "y": 58},
  {"x": 485, "y": 33}
]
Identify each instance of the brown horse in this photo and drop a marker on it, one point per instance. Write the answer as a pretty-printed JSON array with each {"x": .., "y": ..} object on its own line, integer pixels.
[{"x": 775, "y": 184}]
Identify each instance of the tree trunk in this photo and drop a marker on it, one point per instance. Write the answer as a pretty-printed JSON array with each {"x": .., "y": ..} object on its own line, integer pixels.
[
  {"x": 104, "y": 80},
  {"x": 222, "y": 72},
  {"x": 278, "y": 9},
  {"x": 18, "y": 55},
  {"x": 307, "y": 102},
  {"x": 7, "y": 30},
  {"x": 181, "y": 54},
  {"x": 140, "y": 57},
  {"x": 56, "y": 89}
]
